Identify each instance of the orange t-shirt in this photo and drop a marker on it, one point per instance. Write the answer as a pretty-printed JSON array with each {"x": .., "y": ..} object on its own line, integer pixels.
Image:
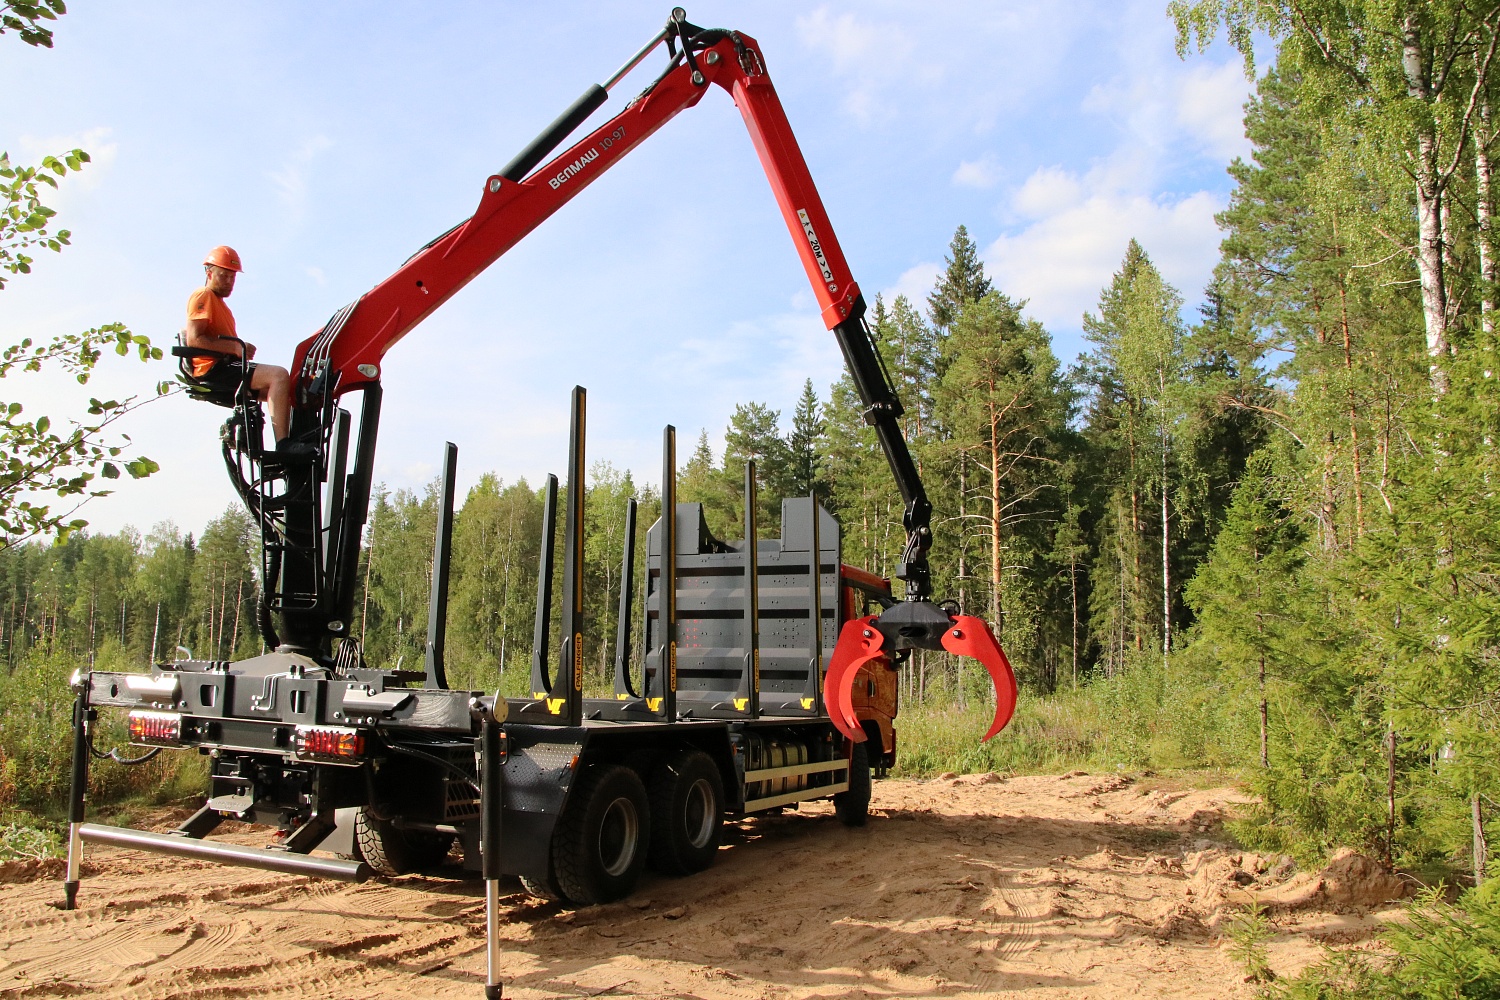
[{"x": 205, "y": 304}]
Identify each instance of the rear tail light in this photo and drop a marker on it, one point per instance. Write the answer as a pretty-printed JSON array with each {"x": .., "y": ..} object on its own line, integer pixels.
[
  {"x": 329, "y": 742},
  {"x": 155, "y": 727}
]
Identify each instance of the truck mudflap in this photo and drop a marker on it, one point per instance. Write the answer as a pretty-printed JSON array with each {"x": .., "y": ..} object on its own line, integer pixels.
[{"x": 539, "y": 769}]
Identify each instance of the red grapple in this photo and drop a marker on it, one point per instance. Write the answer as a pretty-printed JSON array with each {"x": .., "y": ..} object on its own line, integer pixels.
[
  {"x": 860, "y": 642},
  {"x": 970, "y": 636}
]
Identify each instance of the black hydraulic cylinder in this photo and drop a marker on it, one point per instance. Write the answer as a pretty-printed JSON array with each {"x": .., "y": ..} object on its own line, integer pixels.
[
  {"x": 570, "y": 666},
  {"x": 355, "y": 508},
  {"x": 552, "y": 137},
  {"x": 442, "y": 557},
  {"x": 883, "y": 411},
  {"x": 77, "y": 794},
  {"x": 623, "y": 682},
  {"x": 541, "y": 635},
  {"x": 750, "y": 682},
  {"x": 227, "y": 854}
]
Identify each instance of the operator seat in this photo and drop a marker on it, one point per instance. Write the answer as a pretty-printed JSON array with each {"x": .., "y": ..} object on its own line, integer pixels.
[{"x": 210, "y": 388}]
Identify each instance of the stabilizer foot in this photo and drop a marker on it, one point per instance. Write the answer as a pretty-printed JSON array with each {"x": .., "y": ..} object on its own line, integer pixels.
[{"x": 70, "y": 895}]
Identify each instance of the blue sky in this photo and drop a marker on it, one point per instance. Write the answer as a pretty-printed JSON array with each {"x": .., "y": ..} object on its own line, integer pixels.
[{"x": 327, "y": 142}]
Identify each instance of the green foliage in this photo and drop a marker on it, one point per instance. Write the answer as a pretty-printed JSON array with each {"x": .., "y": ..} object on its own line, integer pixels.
[
  {"x": 1249, "y": 931},
  {"x": 1442, "y": 951},
  {"x": 22, "y": 16},
  {"x": 28, "y": 843},
  {"x": 24, "y": 220},
  {"x": 37, "y": 460}
]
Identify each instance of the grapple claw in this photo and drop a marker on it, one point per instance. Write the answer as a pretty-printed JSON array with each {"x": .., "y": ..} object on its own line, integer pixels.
[
  {"x": 970, "y": 636},
  {"x": 859, "y": 642}
]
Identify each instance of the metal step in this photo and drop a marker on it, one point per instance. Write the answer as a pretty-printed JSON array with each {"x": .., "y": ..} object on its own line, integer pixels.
[{"x": 226, "y": 854}]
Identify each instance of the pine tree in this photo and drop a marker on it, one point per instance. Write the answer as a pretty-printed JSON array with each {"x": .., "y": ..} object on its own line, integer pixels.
[
  {"x": 754, "y": 434},
  {"x": 962, "y": 280},
  {"x": 804, "y": 462}
]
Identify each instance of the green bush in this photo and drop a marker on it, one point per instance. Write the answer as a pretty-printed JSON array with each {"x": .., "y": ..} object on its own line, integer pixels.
[
  {"x": 28, "y": 843},
  {"x": 1442, "y": 952},
  {"x": 1144, "y": 717},
  {"x": 36, "y": 749}
]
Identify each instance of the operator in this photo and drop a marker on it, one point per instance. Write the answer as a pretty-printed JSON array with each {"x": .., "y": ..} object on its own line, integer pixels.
[{"x": 210, "y": 327}]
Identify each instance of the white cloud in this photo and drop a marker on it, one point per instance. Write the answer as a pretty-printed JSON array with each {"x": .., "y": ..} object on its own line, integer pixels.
[
  {"x": 1072, "y": 246},
  {"x": 1046, "y": 192},
  {"x": 291, "y": 179},
  {"x": 981, "y": 173},
  {"x": 1210, "y": 106},
  {"x": 316, "y": 274},
  {"x": 871, "y": 54},
  {"x": 915, "y": 282}
]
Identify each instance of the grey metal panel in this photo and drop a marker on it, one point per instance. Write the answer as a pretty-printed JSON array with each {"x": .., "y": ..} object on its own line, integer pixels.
[{"x": 711, "y": 597}]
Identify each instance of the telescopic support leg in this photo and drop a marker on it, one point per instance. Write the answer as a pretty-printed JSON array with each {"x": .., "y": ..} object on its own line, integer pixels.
[
  {"x": 490, "y": 798},
  {"x": 81, "y": 717}
]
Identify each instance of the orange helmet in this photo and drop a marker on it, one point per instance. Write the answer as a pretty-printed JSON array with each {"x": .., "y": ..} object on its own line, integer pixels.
[{"x": 224, "y": 257}]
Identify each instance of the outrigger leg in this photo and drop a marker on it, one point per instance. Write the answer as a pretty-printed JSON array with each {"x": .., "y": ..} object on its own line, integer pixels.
[
  {"x": 82, "y": 715},
  {"x": 491, "y": 756}
]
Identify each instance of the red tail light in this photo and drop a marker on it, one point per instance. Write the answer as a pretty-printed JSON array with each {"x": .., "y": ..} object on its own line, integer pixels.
[
  {"x": 155, "y": 727},
  {"x": 329, "y": 741}
]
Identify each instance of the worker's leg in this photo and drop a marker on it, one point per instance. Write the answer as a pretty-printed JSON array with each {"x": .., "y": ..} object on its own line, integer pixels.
[{"x": 273, "y": 385}]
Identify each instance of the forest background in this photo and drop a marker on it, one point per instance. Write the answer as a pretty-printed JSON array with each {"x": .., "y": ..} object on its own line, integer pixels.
[{"x": 1262, "y": 539}]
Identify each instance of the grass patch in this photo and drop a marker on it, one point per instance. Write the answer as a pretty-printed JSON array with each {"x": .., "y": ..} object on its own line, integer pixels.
[{"x": 28, "y": 843}]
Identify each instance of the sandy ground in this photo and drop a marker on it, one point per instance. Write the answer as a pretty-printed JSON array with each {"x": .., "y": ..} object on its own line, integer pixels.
[{"x": 1076, "y": 886}]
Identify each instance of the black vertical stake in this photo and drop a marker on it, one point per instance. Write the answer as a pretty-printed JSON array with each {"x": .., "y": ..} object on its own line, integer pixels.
[
  {"x": 815, "y": 612},
  {"x": 333, "y": 492},
  {"x": 750, "y": 683},
  {"x": 541, "y": 635},
  {"x": 570, "y": 663},
  {"x": 624, "y": 687},
  {"x": 491, "y": 801},
  {"x": 666, "y": 599},
  {"x": 442, "y": 557},
  {"x": 77, "y": 794}
]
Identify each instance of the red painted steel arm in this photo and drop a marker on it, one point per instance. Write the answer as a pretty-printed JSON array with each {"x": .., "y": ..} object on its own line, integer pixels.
[{"x": 350, "y": 348}]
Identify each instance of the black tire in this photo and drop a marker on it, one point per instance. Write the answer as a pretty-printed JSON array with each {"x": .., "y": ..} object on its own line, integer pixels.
[
  {"x": 853, "y": 807},
  {"x": 687, "y": 813},
  {"x": 547, "y": 888},
  {"x": 599, "y": 847},
  {"x": 391, "y": 851}
]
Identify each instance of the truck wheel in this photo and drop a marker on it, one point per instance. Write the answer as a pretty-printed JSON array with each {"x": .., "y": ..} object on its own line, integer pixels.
[
  {"x": 853, "y": 806},
  {"x": 599, "y": 848},
  {"x": 547, "y": 888},
  {"x": 687, "y": 812},
  {"x": 392, "y": 851}
]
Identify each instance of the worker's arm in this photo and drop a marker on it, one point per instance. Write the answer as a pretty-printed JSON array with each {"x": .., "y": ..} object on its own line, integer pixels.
[{"x": 199, "y": 336}]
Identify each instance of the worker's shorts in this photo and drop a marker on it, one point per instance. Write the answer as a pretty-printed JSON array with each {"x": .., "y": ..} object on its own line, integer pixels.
[{"x": 227, "y": 374}]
